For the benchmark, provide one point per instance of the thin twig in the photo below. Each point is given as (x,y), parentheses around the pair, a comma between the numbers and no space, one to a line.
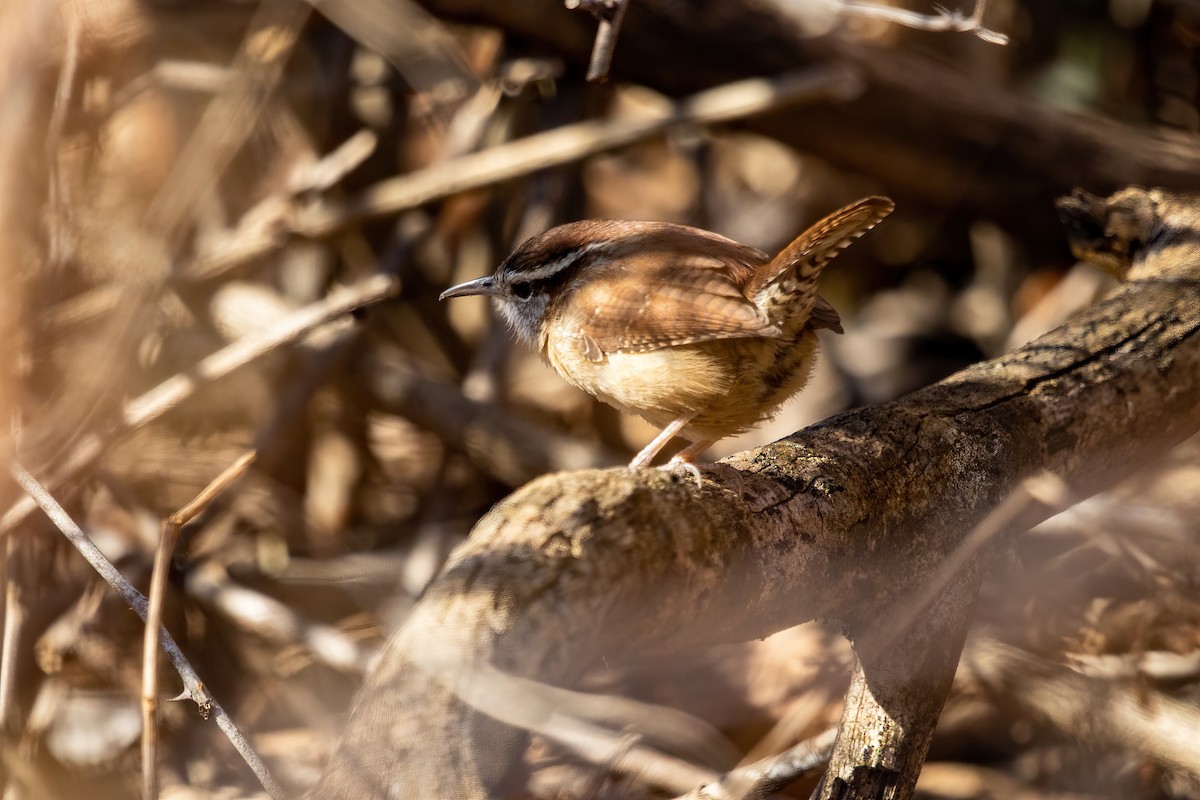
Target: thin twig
(232,114)
(14,619)
(83,307)
(171,527)
(158,579)
(62,102)
(189,76)
(176,389)
(625,754)
(275,622)
(196,689)
(1106,712)
(504,445)
(606,36)
(570,143)
(344,159)
(943,20)
(261,234)
(564,717)
(290,328)
(771,774)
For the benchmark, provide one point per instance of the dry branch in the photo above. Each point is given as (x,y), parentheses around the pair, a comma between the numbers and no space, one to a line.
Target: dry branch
(15,614)
(191,679)
(1097,710)
(508,447)
(274,621)
(763,777)
(840,521)
(610,13)
(934,134)
(168,536)
(571,143)
(231,116)
(173,391)
(266,228)
(943,20)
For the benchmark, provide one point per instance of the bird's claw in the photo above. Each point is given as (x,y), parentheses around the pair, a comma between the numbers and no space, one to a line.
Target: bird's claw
(675,464)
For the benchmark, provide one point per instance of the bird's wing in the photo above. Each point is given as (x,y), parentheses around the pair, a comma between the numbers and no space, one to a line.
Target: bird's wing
(650,303)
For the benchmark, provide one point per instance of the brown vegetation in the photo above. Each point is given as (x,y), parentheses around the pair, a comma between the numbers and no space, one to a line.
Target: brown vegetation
(223,229)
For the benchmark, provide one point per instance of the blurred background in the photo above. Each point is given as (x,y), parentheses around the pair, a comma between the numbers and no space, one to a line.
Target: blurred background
(182,176)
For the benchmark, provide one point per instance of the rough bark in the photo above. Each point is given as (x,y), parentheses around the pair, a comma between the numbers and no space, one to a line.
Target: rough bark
(838,521)
(933,133)
(896,695)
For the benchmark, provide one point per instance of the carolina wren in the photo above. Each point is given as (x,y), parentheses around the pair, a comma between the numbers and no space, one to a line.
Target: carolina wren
(699,335)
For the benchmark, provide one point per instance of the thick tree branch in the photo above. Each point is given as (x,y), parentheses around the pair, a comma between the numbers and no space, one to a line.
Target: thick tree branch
(841,521)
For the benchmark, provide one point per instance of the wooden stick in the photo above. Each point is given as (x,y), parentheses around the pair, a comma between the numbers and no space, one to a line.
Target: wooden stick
(14,622)
(196,689)
(611,14)
(944,20)
(769,775)
(171,527)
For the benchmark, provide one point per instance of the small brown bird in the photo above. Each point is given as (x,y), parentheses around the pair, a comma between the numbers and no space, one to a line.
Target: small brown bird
(699,335)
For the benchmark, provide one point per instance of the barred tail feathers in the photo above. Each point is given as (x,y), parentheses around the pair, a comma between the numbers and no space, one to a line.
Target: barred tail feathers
(786,288)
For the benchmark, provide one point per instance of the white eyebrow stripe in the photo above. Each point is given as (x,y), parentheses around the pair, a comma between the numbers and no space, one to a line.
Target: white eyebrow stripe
(555,267)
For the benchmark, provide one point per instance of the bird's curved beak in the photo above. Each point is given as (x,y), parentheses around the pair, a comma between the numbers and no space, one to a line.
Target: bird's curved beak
(478,286)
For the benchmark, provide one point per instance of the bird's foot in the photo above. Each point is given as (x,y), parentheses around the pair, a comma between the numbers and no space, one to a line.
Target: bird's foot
(648,453)
(676,464)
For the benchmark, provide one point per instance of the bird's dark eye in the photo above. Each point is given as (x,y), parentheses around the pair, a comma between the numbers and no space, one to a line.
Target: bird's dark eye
(522,290)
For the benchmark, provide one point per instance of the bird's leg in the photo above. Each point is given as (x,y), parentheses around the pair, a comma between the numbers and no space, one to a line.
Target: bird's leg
(648,453)
(688,454)
(686,458)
